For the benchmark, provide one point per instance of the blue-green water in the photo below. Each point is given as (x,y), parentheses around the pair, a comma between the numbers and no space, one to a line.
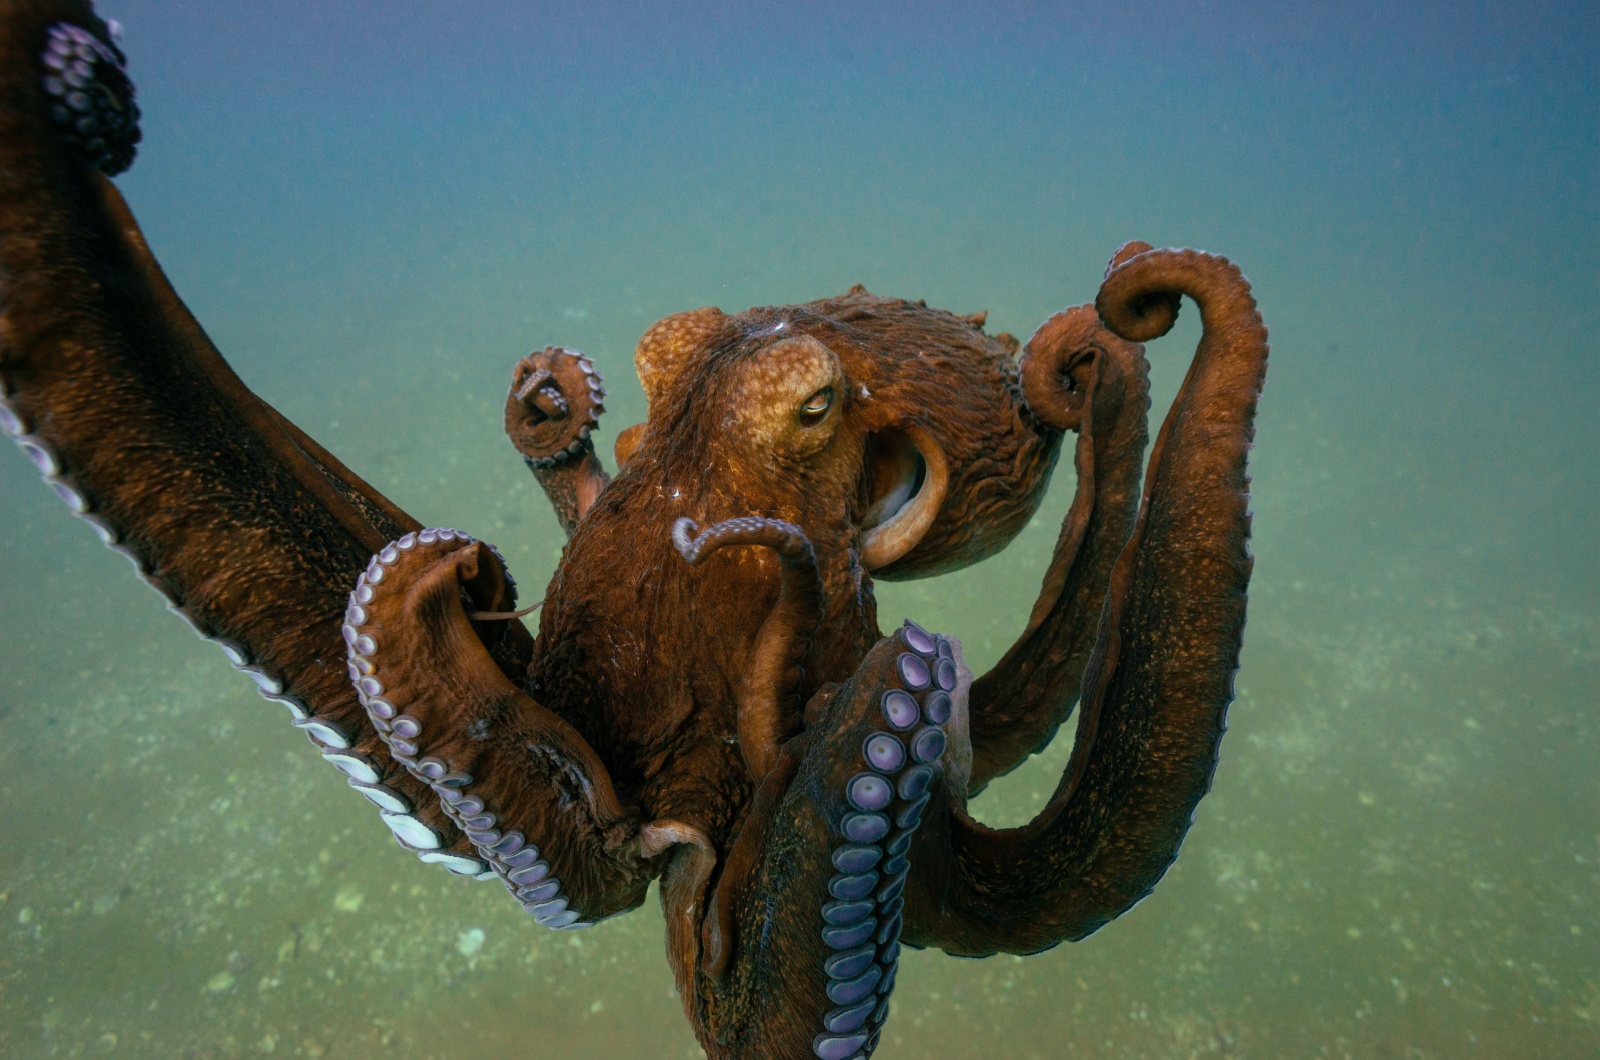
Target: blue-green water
(376,210)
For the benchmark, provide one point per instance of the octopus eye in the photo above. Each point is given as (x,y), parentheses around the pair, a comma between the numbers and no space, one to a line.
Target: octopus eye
(816,406)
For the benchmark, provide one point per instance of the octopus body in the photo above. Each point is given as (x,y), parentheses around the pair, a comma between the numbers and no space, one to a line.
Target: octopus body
(710,700)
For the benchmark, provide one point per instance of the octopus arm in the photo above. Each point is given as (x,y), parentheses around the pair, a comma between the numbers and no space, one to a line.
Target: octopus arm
(808,909)
(527,791)
(1077,375)
(247,528)
(552,411)
(1157,686)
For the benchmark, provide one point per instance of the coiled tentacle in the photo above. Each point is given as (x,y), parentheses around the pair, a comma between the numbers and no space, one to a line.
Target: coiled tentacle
(554,407)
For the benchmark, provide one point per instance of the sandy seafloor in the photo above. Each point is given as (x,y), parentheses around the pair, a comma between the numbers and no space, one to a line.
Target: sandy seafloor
(376,212)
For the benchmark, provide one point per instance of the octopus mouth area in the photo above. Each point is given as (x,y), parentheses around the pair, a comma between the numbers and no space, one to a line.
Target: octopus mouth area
(903,485)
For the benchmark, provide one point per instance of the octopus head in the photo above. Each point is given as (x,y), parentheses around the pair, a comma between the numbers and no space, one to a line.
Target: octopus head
(901,424)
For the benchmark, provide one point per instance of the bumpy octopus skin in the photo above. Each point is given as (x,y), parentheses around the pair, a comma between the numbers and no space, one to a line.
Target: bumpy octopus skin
(710,700)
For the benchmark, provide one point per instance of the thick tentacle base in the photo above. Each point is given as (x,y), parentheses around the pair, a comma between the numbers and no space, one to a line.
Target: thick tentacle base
(522,786)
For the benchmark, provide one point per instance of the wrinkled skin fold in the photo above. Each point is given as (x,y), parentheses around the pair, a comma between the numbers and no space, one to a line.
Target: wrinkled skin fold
(710,700)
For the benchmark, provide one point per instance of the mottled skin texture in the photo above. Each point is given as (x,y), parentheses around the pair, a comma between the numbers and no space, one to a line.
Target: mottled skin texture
(709,660)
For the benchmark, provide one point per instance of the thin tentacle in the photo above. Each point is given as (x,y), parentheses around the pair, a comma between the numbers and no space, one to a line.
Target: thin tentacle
(769,702)
(1079,376)
(1157,687)
(557,397)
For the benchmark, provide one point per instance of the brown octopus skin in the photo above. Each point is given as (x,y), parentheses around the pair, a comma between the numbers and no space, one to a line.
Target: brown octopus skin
(656,728)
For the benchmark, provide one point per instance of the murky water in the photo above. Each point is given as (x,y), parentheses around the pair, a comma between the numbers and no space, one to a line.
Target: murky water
(374,213)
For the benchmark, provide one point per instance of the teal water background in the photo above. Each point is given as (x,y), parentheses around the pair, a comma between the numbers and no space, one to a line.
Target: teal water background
(375,209)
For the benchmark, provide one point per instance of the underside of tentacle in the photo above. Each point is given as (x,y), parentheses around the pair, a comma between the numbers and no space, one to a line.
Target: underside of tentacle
(527,791)
(769,702)
(1157,686)
(816,914)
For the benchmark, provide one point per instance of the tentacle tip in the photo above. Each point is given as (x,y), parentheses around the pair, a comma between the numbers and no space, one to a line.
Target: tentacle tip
(1131,249)
(684,539)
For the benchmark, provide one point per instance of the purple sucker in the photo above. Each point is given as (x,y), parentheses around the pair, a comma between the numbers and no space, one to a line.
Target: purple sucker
(833,1047)
(915,781)
(856,859)
(891,889)
(850,963)
(539,892)
(937,708)
(845,912)
(884,752)
(899,709)
(865,827)
(849,991)
(544,911)
(847,938)
(928,745)
(868,791)
(913,671)
(529,874)
(944,674)
(918,639)
(848,1018)
(562,920)
(911,816)
(522,858)
(850,888)
(406,726)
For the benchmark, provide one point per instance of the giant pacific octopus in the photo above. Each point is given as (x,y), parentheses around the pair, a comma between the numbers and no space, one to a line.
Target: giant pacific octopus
(710,700)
